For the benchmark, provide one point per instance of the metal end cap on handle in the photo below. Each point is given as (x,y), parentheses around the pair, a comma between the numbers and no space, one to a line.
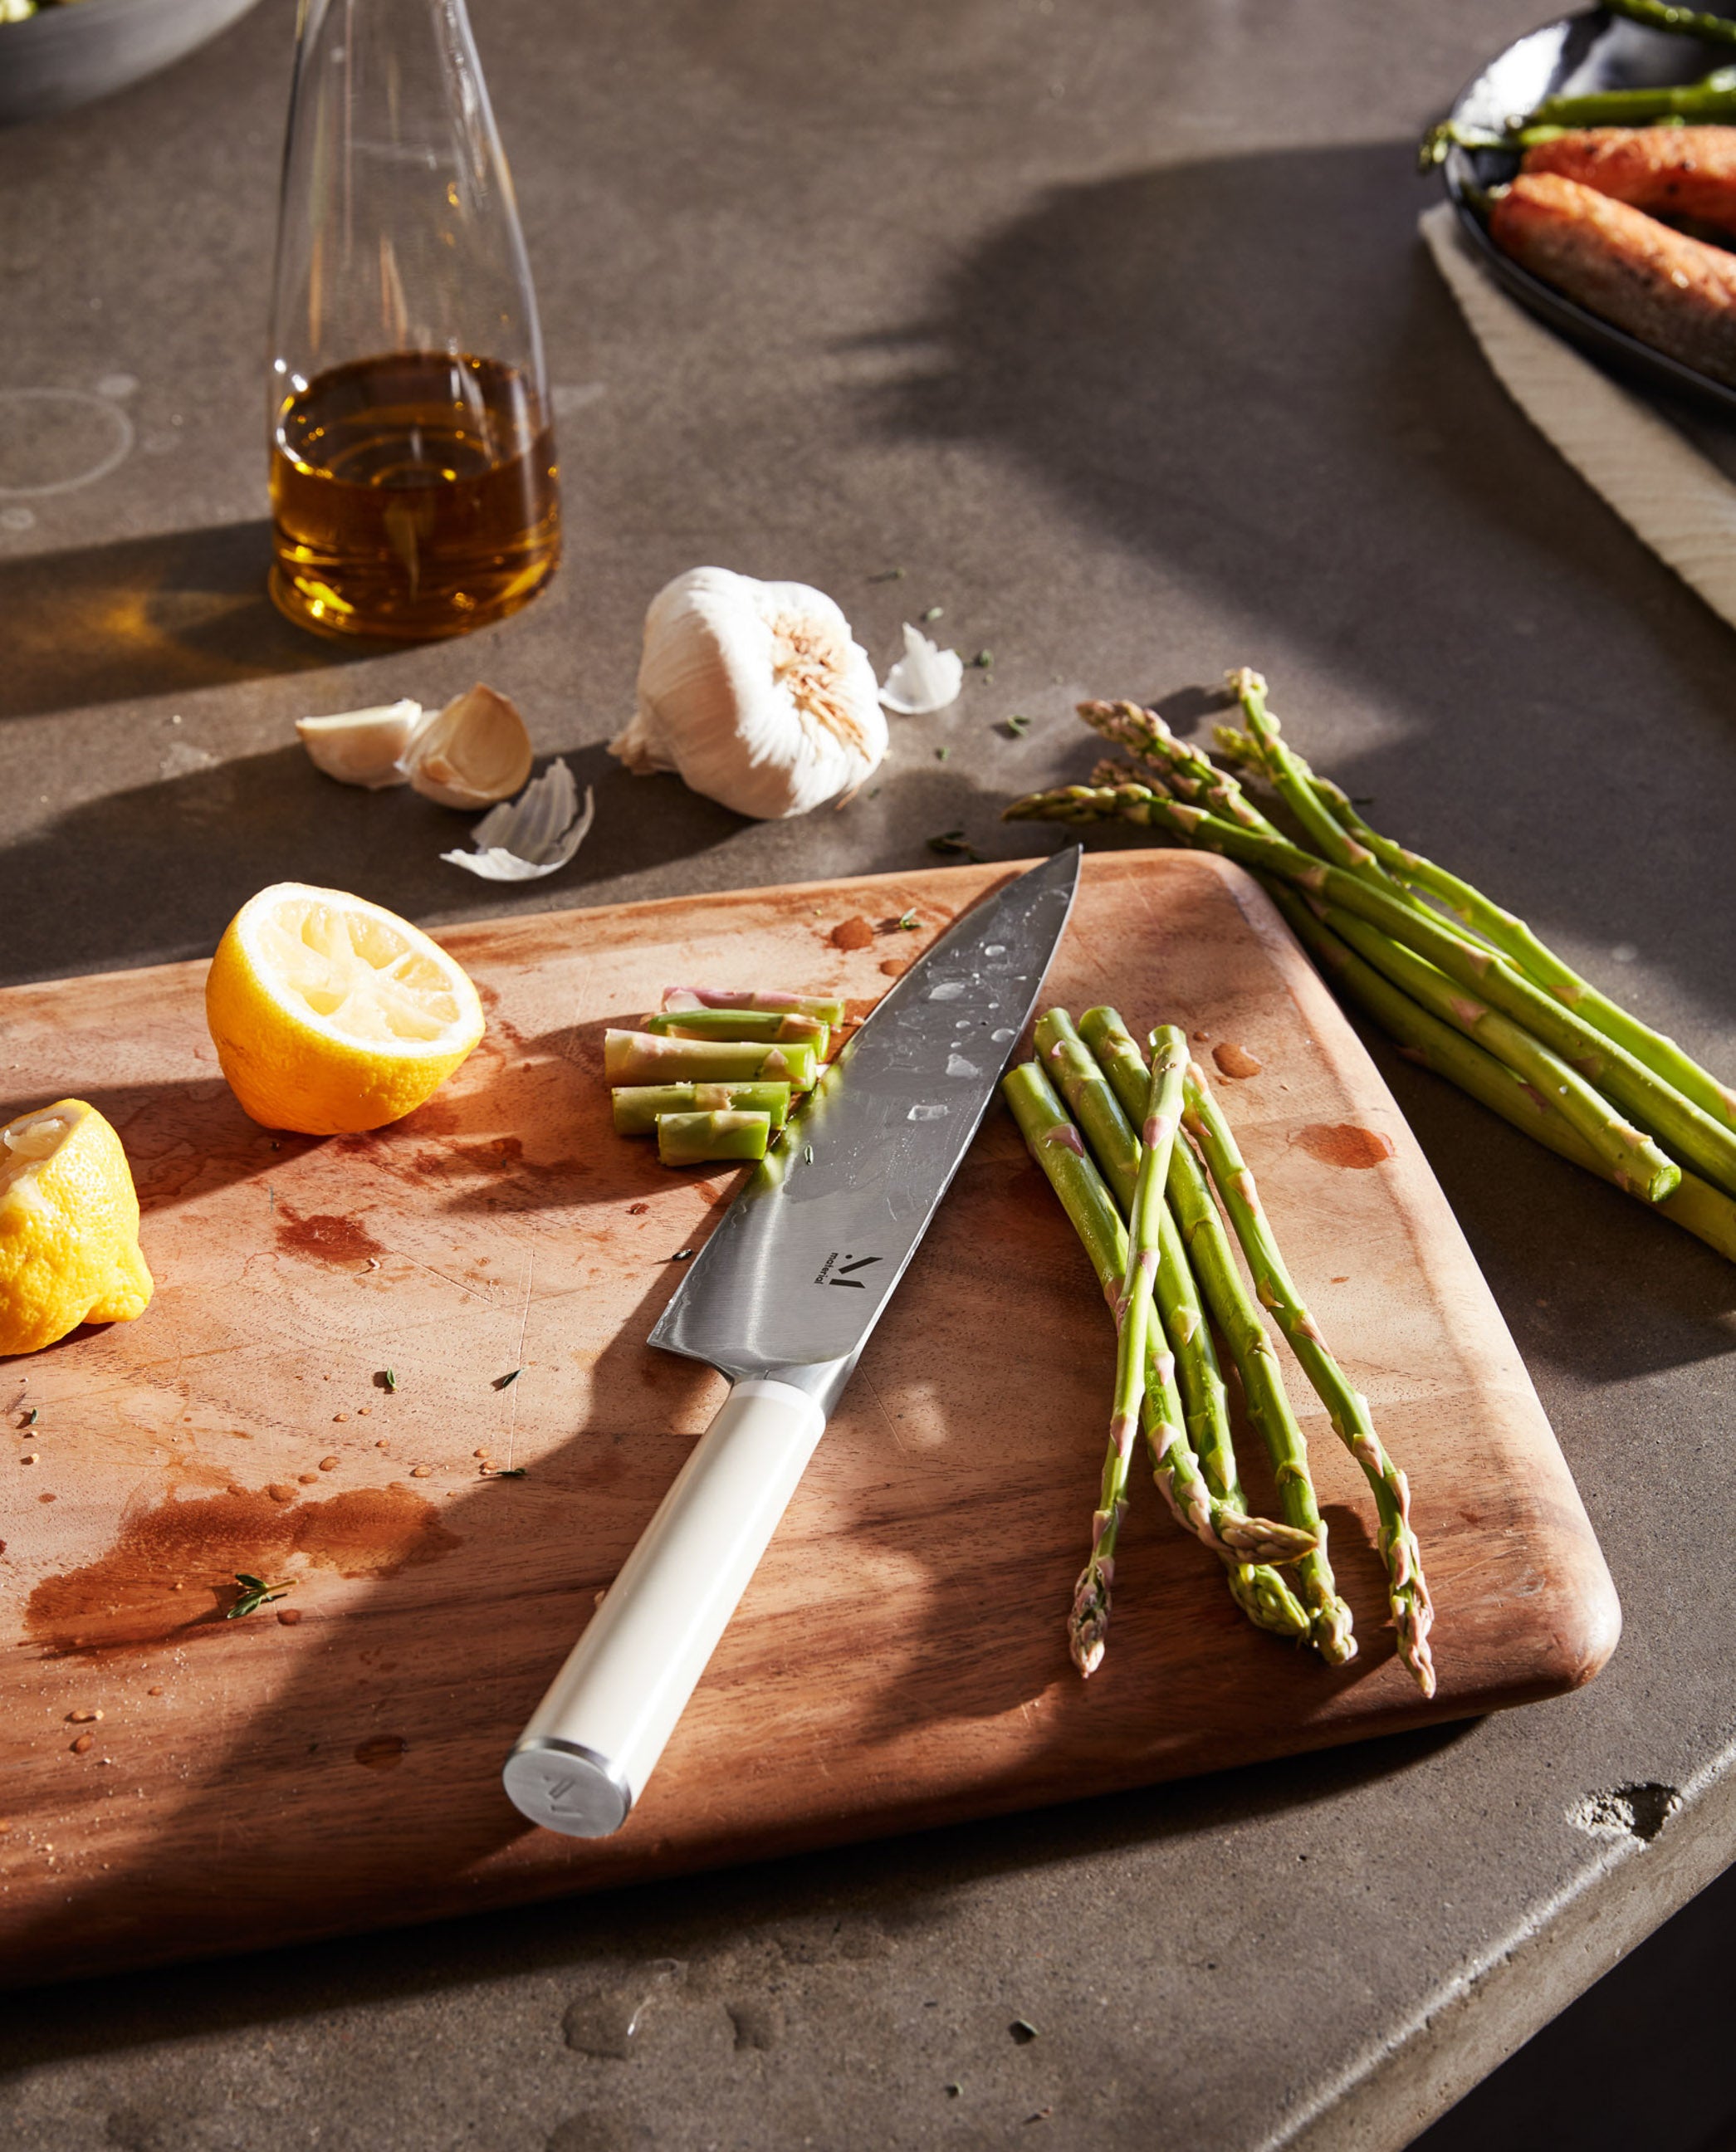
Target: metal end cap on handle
(566,1787)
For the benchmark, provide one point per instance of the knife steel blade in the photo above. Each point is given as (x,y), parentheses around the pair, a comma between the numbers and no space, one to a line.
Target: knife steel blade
(782,1299)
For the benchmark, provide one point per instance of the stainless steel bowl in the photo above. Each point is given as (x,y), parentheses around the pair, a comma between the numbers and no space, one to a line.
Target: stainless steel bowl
(66,56)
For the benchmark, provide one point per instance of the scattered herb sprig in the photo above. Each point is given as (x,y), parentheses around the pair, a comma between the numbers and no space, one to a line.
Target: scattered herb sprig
(952,843)
(255,1593)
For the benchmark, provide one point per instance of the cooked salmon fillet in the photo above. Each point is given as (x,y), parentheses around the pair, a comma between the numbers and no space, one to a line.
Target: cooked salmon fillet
(1675,294)
(1672,171)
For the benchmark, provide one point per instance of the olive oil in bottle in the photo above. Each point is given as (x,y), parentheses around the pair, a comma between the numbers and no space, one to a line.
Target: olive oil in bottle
(412,455)
(413,495)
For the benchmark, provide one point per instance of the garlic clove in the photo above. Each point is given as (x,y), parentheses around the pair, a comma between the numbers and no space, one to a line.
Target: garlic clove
(538,833)
(362,747)
(475,751)
(755,694)
(926,678)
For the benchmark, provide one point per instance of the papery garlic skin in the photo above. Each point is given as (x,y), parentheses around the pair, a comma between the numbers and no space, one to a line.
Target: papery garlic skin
(926,678)
(755,694)
(475,752)
(537,836)
(362,747)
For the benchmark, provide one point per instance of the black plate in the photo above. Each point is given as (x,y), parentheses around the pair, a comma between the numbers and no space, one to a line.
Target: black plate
(1595,51)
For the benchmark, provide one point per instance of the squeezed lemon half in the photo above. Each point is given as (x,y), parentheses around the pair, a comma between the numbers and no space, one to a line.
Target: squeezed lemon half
(331,1015)
(68,1227)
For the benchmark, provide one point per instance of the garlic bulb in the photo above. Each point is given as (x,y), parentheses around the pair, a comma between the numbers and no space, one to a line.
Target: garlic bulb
(926,678)
(362,747)
(755,694)
(476,751)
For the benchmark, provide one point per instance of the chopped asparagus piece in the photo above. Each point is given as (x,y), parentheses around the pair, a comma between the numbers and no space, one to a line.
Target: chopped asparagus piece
(766,1027)
(710,1139)
(827,1007)
(638,1106)
(645,1057)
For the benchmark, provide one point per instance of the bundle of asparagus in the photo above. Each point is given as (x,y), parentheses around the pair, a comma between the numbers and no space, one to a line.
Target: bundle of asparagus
(1465,988)
(1162,1270)
(712,1075)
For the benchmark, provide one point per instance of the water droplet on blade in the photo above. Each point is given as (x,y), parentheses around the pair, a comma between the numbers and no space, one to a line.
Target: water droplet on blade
(956,1065)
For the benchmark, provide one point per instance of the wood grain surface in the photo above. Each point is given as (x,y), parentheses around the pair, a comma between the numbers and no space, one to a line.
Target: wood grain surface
(332,1763)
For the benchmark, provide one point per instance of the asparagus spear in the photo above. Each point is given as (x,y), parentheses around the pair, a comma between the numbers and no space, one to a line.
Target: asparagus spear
(1712,98)
(1055,1143)
(638,1106)
(709,1139)
(1257,1588)
(768,1027)
(1406,1588)
(642,1057)
(1187,772)
(1290,779)
(1690,22)
(1511,936)
(1655,1103)
(1697,1206)
(1088,1625)
(827,1007)
(1624,1155)
(1238,1319)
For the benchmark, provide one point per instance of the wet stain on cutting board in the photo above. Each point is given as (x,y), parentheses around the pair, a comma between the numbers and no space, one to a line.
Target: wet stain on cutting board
(172,1569)
(1342,1143)
(323,1236)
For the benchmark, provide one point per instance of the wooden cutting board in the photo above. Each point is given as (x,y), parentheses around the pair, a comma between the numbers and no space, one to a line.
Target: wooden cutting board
(899,1660)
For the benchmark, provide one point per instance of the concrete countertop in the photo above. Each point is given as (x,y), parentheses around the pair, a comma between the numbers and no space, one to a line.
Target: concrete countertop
(1108,324)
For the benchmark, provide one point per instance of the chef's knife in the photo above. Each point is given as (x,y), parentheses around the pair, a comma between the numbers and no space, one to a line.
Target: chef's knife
(782,1299)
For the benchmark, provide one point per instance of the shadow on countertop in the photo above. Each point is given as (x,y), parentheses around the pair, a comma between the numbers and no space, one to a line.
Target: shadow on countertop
(1245,369)
(886,1885)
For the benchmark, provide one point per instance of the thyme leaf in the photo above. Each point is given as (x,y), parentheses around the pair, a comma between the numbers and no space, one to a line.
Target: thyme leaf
(255,1593)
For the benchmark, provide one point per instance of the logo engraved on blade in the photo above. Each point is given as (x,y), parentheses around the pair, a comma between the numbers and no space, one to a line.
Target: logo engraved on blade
(849,1263)
(557,1789)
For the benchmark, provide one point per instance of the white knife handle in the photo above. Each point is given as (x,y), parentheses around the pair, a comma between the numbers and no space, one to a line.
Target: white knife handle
(591,1742)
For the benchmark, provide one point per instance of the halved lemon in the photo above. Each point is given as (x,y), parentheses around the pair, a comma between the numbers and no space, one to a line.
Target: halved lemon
(331,1014)
(68,1227)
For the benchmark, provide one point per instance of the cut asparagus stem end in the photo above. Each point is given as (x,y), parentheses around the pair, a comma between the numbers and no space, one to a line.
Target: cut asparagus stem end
(712,1138)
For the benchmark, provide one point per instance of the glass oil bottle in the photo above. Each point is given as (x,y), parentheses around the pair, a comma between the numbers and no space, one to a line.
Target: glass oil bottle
(414,487)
